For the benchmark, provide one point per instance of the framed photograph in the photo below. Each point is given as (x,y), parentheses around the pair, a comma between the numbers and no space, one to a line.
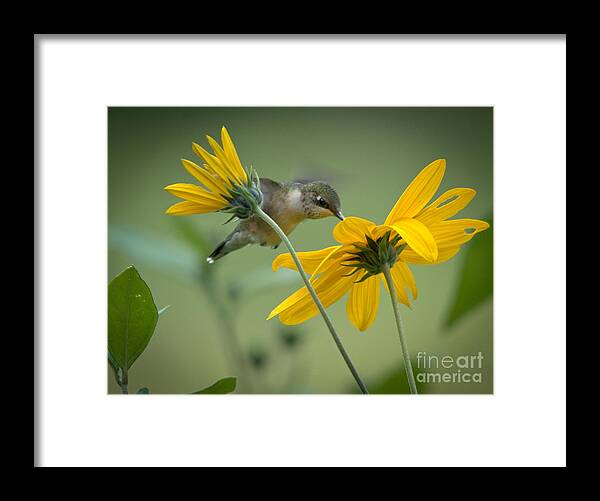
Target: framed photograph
(271,251)
(407,201)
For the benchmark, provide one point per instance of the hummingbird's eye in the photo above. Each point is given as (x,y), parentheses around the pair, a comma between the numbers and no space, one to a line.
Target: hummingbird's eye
(321,201)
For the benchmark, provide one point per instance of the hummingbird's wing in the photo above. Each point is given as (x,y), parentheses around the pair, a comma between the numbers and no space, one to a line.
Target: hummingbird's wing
(268,188)
(310,173)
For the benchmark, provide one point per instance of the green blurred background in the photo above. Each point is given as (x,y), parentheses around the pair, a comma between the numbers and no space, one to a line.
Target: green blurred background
(369,155)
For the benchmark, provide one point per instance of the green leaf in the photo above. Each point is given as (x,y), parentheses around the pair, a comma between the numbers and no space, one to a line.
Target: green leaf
(115,367)
(476,282)
(221,387)
(132,317)
(143,391)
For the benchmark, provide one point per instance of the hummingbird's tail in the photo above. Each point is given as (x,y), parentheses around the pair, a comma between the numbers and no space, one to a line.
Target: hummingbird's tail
(218,253)
(233,242)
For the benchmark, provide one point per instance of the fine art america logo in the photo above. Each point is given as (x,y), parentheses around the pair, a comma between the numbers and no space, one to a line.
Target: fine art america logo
(449,369)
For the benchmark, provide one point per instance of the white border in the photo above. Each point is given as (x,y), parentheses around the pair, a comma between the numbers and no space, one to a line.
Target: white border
(522,424)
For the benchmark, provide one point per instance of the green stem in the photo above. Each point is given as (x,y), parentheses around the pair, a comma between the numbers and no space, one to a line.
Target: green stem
(265,217)
(124,383)
(405,353)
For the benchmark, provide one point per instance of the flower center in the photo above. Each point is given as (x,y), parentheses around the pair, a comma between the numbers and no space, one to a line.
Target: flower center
(374,256)
(244,199)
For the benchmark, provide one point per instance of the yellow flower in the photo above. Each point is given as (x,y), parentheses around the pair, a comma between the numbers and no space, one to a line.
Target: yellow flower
(223,182)
(413,232)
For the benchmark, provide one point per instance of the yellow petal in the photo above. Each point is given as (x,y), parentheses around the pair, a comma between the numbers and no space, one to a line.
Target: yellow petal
(457,231)
(306,309)
(288,302)
(444,254)
(449,236)
(205,177)
(188,208)
(399,287)
(220,154)
(196,194)
(363,302)
(333,259)
(330,286)
(401,273)
(196,149)
(352,230)
(310,260)
(380,230)
(232,154)
(417,236)
(419,192)
(447,205)
(214,164)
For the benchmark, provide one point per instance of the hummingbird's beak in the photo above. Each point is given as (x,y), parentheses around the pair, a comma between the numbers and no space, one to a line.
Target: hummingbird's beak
(339,215)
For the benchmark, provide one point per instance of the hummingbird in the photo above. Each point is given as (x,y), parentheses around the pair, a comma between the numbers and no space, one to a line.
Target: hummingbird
(288,204)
